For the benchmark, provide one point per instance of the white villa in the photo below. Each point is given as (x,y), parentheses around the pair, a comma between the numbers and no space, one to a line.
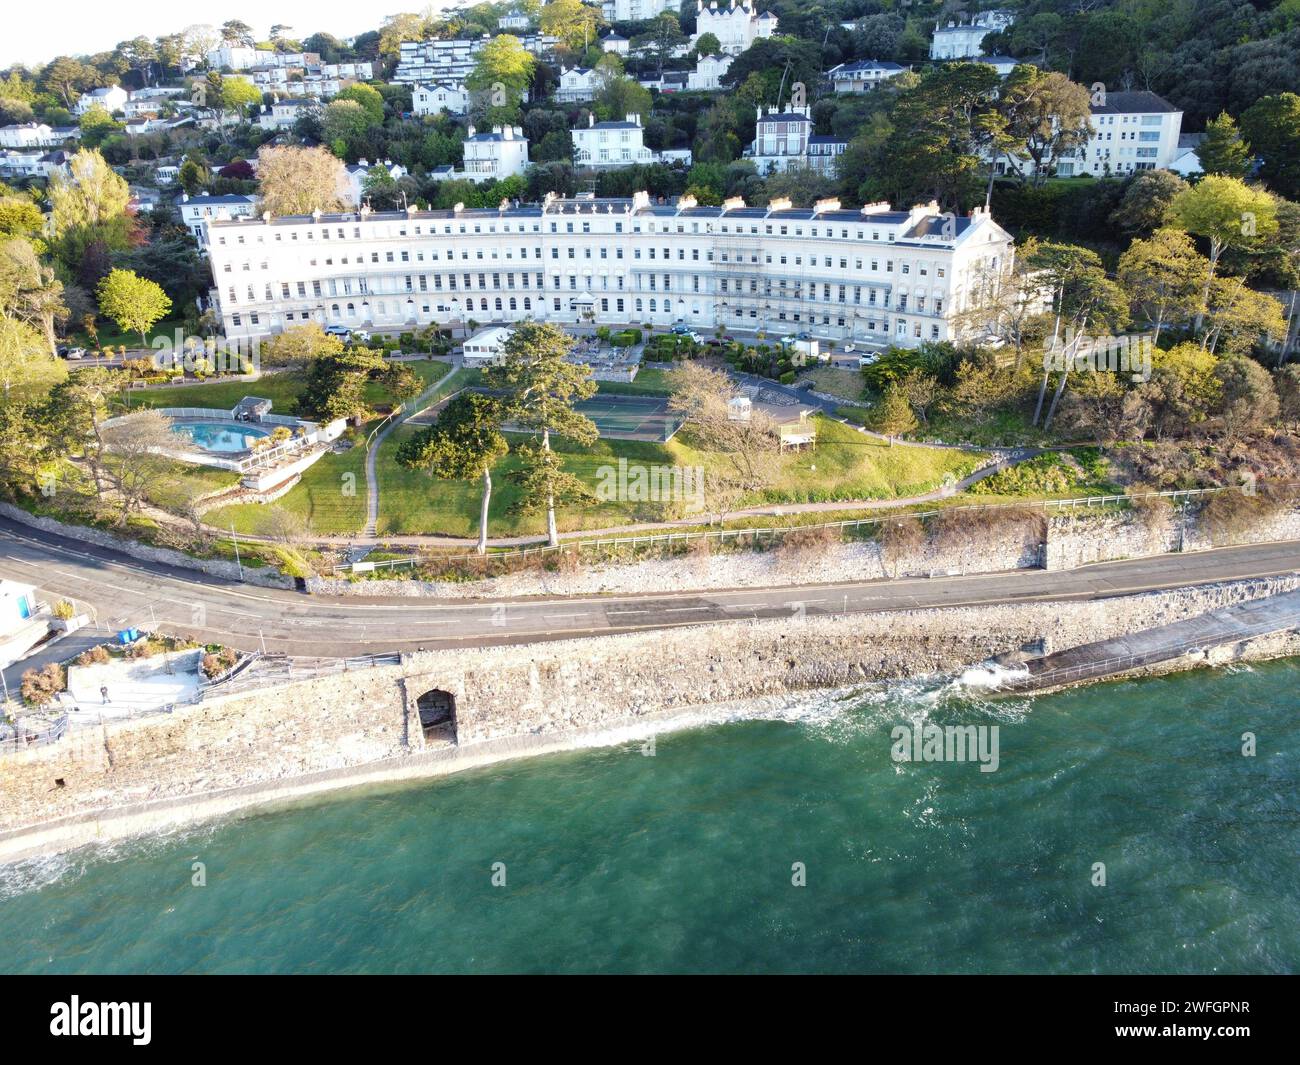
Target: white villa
(785,139)
(111,99)
(36,135)
(494,155)
(602,144)
(1130,131)
(514,19)
(197,211)
(443,96)
(707,75)
(636,10)
(964,40)
(614,42)
(282,114)
(144,102)
(576,84)
(872,273)
(736,26)
(354,190)
(863,75)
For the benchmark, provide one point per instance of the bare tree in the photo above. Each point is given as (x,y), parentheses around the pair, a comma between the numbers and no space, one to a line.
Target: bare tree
(139,446)
(898,538)
(298,181)
(748,438)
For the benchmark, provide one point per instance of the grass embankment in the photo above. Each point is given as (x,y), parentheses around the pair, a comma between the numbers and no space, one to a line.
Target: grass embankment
(846,465)
(331,497)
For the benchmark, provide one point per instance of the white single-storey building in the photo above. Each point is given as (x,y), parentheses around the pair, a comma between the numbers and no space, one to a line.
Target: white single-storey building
(486,346)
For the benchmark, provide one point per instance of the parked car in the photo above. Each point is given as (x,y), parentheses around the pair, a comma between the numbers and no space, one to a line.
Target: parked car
(72,352)
(361,336)
(340,331)
(867,360)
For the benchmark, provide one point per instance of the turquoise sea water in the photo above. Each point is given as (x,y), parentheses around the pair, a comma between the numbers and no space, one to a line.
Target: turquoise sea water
(682,861)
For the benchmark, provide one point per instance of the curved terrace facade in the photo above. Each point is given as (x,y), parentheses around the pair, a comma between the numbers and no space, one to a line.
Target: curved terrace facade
(870,274)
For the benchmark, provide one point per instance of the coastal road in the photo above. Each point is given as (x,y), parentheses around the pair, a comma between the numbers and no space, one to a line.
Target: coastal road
(125,592)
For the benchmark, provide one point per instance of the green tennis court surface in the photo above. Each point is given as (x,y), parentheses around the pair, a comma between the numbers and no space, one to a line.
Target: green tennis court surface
(631,417)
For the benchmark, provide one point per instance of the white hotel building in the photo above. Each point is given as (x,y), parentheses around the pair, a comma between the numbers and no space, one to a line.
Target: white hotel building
(869,274)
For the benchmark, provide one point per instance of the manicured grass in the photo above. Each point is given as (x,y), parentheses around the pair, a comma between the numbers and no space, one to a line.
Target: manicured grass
(331,502)
(648,382)
(110,336)
(331,497)
(846,465)
(185,482)
(281,388)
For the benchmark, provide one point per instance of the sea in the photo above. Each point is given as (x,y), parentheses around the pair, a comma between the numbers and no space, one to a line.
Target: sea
(1139,826)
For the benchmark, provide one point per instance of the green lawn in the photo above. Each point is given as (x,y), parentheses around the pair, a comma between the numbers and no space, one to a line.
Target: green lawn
(331,497)
(109,336)
(280,388)
(648,382)
(846,465)
(330,501)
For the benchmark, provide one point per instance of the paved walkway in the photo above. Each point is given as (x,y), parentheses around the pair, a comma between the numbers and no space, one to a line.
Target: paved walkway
(1164,643)
(372,479)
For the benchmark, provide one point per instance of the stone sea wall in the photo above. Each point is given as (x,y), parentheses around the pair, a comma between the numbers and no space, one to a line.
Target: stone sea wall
(365,724)
(1072,539)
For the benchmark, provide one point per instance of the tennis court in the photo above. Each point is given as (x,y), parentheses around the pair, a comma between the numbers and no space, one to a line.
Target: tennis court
(631,417)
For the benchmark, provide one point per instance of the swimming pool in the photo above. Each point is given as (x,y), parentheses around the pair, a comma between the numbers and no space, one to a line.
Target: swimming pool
(221,438)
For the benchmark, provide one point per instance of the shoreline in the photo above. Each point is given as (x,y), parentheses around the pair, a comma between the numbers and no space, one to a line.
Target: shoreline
(161,816)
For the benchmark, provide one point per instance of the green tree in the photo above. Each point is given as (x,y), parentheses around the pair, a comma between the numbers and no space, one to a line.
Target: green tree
(193,177)
(96,126)
(298,181)
(1228,214)
(133,302)
(88,206)
(299,344)
(707,44)
(573,22)
(27,368)
(370,99)
(1247,400)
(662,39)
(541,386)
(1047,116)
(238,96)
(464,443)
(1272,126)
(1146,202)
(503,61)
(1223,150)
(893,414)
(1164,278)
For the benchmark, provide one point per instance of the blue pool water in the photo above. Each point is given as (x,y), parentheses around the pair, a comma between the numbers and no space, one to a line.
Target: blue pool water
(223,438)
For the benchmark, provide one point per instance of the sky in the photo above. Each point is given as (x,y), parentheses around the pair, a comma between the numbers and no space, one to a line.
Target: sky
(35,34)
